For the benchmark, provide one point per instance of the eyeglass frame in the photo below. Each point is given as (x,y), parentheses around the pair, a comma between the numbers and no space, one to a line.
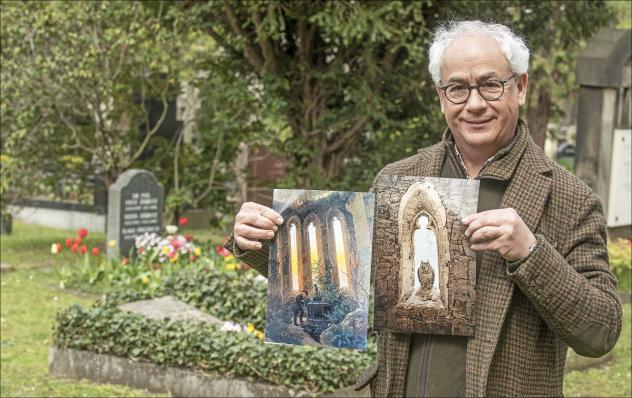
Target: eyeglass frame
(477,87)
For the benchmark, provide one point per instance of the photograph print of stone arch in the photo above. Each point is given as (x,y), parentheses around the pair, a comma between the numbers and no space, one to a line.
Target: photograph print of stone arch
(319,269)
(425,271)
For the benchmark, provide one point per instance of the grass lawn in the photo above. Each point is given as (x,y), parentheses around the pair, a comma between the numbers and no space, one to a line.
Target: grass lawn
(30,298)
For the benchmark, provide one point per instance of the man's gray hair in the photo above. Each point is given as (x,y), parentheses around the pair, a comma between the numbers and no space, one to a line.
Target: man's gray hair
(511,45)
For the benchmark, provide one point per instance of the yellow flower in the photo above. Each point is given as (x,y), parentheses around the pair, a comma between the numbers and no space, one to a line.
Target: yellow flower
(259,334)
(228,258)
(54,249)
(165,250)
(198,251)
(174,258)
(250,327)
(145,280)
(230,266)
(111,243)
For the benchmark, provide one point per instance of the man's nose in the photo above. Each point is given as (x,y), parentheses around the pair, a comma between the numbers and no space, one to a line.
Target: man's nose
(475,103)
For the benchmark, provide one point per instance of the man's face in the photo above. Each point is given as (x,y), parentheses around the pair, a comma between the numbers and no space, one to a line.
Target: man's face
(479,124)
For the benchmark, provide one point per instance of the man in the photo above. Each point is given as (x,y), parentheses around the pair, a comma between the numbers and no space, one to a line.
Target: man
(542,263)
(299,302)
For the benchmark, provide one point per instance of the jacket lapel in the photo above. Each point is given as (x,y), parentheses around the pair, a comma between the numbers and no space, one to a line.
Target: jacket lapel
(527,193)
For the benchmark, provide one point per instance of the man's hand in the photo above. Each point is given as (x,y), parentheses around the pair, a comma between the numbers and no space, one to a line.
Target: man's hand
(500,230)
(254,222)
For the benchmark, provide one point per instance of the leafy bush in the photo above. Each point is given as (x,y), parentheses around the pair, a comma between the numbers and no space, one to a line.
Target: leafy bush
(239,296)
(107,330)
(620,254)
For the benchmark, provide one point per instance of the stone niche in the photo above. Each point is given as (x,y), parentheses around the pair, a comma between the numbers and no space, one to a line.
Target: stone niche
(421,199)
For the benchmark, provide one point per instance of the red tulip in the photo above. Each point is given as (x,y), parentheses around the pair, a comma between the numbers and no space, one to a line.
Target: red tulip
(83,249)
(183,221)
(74,248)
(193,258)
(221,250)
(125,261)
(68,242)
(59,247)
(176,244)
(82,233)
(95,251)
(77,241)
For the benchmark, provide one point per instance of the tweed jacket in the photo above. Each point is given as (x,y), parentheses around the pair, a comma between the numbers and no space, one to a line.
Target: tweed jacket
(562,295)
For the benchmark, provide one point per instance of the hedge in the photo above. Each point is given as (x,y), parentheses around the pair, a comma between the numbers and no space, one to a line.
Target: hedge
(230,296)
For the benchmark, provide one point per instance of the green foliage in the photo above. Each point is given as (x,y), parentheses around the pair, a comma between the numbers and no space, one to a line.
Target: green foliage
(620,255)
(77,78)
(105,329)
(235,295)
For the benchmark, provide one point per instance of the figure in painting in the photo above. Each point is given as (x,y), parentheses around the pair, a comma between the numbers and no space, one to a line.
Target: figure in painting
(299,303)
(425,260)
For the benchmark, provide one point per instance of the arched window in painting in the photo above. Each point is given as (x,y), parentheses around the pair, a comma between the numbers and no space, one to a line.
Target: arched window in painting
(294,257)
(313,252)
(425,258)
(341,258)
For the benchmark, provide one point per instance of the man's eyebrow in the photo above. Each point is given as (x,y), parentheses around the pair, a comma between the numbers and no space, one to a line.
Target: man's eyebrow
(457,79)
(487,76)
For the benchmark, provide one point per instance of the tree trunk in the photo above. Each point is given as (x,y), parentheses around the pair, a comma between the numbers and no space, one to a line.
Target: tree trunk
(539,117)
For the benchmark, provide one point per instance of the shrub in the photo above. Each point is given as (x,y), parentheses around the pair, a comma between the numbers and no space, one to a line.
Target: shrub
(620,254)
(107,330)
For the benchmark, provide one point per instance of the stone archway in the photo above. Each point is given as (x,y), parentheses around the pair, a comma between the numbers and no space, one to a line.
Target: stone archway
(422,198)
(290,285)
(312,271)
(348,244)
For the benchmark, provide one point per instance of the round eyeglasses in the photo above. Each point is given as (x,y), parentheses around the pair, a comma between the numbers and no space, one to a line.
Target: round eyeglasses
(490,90)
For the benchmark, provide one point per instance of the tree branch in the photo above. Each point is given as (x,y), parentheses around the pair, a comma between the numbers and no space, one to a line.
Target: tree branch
(250,51)
(153,131)
(223,43)
(355,130)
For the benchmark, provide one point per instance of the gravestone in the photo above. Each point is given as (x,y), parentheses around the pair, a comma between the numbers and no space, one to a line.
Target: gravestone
(135,205)
(604,121)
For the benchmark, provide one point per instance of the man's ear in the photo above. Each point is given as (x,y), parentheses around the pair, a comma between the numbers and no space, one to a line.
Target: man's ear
(522,83)
(441,99)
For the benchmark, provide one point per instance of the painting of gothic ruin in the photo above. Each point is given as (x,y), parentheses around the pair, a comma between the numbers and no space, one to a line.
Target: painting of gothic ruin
(319,269)
(425,271)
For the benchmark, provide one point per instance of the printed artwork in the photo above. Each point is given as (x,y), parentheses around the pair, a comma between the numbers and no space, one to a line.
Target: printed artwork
(425,271)
(319,269)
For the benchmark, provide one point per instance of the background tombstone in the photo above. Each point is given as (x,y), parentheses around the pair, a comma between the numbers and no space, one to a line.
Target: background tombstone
(135,205)
(604,71)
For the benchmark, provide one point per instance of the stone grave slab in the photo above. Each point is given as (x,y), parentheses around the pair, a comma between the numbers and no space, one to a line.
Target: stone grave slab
(169,307)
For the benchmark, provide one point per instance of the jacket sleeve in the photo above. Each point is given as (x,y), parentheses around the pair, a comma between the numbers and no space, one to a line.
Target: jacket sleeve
(257,259)
(575,293)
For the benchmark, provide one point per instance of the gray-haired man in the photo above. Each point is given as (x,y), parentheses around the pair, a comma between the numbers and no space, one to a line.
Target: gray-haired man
(542,264)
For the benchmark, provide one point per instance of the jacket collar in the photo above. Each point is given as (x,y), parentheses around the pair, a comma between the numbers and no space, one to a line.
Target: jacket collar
(503,164)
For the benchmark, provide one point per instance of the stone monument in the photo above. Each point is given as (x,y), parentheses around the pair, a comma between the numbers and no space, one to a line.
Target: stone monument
(604,74)
(135,205)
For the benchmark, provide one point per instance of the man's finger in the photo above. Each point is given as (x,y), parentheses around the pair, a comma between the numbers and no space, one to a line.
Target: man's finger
(487,218)
(249,232)
(256,220)
(268,213)
(485,233)
(247,244)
